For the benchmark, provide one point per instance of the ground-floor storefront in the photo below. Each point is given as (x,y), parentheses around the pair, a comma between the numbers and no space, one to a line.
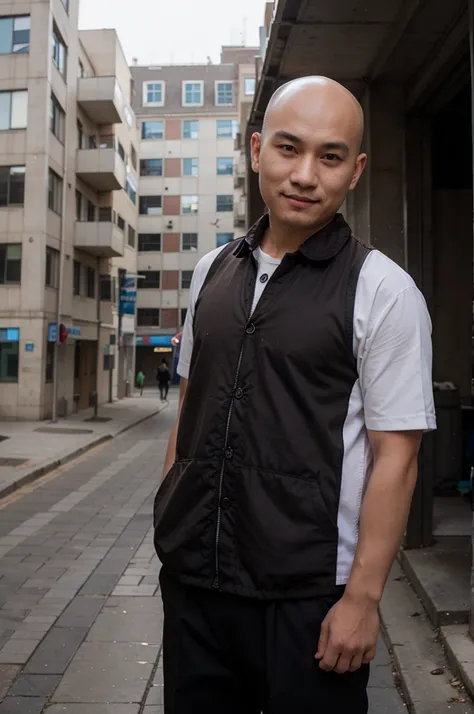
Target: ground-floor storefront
(151,350)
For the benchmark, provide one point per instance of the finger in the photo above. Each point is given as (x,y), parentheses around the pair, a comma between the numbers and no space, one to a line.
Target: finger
(356,662)
(369,655)
(343,664)
(323,640)
(330,658)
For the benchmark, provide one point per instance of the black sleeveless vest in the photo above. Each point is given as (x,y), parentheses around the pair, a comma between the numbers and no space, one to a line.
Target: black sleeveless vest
(250,506)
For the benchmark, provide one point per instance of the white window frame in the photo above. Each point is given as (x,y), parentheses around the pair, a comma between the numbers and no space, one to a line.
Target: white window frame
(145,93)
(183,93)
(216,92)
(254,79)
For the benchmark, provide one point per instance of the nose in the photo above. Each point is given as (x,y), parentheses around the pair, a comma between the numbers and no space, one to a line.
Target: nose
(305,173)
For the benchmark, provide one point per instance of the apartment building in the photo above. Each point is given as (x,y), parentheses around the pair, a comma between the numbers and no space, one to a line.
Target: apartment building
(68,211)
(190,185)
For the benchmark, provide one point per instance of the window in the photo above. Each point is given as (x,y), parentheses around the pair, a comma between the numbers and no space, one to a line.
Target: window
(190,167)
(120,222)
(152,130)
(90,283)
(90,212)
(131,236)
(9,354)
(55,190)
(224,203)
(107,288)
(56,119)
(149,242)
(105,215)
(12,185)
(249,86)
(186,277)
(120,150)
(76,278)
(151,167)
(13,109)
(152,279)
(49,361)
(184,311)
(225,167)
(15,34)
(192,93)
(154,94)
(131,189)
(148,317)
(10,263)
(133,156)
(151,206)
(190,129)
(59,51)
(189,204)
(52,267)
(189,241)
(223,238)
(80,135)
(227,128)
(224,93)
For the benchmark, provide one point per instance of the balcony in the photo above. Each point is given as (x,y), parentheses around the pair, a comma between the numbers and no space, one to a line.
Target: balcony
(101,98)
(102,167)
(240,213)
(102,238)
(240,172)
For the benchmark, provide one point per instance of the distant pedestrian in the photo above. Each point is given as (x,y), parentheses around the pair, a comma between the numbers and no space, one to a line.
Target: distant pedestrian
(163,377)
(140,381)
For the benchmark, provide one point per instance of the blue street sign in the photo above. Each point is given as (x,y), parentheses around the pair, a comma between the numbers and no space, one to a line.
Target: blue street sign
(128,296)
(29,347)
(52,332)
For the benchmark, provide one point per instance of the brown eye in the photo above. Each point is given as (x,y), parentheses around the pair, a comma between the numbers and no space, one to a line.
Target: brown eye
(331,157)
(286,148)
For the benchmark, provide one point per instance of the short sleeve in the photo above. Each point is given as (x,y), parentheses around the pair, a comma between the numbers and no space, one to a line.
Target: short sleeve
(187,340)
(396,364)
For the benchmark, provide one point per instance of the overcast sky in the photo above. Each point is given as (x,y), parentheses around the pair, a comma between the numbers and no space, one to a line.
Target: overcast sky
(175,31)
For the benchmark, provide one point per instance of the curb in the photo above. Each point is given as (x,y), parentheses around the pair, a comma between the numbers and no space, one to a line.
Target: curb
(41,471)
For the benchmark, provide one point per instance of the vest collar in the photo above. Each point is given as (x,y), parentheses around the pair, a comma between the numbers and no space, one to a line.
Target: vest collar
(322,245)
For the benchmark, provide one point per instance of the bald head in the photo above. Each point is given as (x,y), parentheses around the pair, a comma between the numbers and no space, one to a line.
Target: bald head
(322,100)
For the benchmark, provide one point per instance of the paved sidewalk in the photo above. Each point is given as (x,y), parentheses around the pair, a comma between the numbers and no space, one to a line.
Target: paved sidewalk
(32,449)
(80,610)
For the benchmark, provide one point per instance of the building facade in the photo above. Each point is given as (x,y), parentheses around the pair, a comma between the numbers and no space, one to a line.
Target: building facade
(68,211)
(190,185)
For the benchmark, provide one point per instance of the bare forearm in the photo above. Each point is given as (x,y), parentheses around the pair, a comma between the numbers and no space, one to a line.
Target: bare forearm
(170,457)
(383,521)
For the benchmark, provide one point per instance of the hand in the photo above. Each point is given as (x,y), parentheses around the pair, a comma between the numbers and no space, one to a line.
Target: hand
(349,635)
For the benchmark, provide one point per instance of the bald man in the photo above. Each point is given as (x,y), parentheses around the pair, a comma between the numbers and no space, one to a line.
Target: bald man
(305,389)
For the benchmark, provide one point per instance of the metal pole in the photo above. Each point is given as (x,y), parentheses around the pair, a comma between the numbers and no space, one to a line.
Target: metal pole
(61,267)
(97,302)
(471,47)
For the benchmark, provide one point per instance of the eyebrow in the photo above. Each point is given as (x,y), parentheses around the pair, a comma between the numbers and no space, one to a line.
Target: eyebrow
(328,146)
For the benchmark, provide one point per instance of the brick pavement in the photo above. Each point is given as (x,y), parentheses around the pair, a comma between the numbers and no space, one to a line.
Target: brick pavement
(80,612)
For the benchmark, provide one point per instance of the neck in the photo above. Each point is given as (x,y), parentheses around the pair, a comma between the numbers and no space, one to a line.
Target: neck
(280,239)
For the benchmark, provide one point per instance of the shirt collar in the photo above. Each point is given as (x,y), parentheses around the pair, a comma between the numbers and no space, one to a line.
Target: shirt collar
(322,245)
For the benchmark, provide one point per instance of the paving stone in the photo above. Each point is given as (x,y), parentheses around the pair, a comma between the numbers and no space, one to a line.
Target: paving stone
(381,675)
(8,673)
(35,685)
(155,696)
(139,591)
(113,625)
(385,701)
(22,705)
(56,650)
(82,612)
(107,673)
(99,584)
(95,709)
(20,646)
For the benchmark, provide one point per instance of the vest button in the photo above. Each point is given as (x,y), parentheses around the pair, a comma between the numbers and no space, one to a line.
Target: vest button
(263,278)
(229,452)
(250,329)
(239,393)
(225,503)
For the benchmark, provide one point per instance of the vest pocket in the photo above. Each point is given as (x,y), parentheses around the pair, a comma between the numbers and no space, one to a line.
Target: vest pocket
(286,538)
(183,517)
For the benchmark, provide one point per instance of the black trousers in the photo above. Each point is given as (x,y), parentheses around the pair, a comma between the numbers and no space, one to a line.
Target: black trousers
(164,388)
(234,655)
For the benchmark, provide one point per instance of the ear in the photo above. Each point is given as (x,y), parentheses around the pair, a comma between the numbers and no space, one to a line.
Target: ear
(255,147)
(361,163)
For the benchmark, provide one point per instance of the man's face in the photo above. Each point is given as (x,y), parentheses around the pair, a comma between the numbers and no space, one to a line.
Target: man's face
(308,159)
